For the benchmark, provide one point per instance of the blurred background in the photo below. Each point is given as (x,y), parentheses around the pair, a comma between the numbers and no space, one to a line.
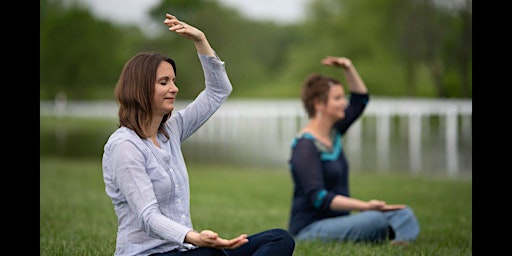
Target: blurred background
(414,55)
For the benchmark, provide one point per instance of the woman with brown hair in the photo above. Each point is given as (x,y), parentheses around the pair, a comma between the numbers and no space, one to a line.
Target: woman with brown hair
(144,170)
(322,204)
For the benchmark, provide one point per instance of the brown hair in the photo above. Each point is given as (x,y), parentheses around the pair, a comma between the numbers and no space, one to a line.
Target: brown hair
(316,88)
(134,91)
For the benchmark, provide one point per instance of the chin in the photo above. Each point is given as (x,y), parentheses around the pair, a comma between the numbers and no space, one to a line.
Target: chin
(169,111)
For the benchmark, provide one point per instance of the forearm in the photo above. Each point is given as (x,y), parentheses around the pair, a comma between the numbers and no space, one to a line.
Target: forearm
(203,47)
(354,81)
(343,203)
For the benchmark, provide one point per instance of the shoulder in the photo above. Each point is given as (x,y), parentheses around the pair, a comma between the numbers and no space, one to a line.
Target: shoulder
(123,137)
(303,137)
(361,98)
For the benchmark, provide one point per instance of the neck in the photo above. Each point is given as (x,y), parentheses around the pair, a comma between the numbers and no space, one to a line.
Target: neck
(152,129)
(321,126)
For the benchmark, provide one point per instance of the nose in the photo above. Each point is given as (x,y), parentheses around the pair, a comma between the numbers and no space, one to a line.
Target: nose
(345,102)
(174,88)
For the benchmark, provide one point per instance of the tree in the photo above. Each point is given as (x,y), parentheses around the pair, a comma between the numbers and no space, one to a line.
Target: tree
(80,55)
(439,38)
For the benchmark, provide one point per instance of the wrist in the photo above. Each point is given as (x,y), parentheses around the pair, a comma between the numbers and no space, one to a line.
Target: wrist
(192,237)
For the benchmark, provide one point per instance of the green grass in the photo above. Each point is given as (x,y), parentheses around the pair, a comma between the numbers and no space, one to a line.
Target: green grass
(77,218)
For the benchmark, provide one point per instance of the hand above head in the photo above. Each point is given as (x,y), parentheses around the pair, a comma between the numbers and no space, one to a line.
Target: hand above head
(354,81)
(208,238)
(190,32)
(337,61)
(183,29)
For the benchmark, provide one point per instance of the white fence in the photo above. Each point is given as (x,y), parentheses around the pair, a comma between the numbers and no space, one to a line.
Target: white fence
(413,135)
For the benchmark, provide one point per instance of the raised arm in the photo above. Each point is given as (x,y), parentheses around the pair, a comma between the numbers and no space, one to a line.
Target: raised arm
(354,82)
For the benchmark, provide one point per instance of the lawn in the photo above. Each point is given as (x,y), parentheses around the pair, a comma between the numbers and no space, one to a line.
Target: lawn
(77,218)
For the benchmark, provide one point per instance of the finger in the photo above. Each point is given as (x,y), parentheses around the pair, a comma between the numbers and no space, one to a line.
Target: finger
(173,22)
(239,243)
(234,243)
(394,207)
(178,27)
(170,17)
(213,235)
(220,243)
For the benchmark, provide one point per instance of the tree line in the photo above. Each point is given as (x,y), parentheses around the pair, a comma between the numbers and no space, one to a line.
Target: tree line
(401,47)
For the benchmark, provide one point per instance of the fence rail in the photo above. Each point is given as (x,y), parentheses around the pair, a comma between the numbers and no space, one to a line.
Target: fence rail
(416,135)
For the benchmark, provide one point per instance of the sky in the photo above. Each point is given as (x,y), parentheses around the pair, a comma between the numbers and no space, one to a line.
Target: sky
(280,11)
(134,11)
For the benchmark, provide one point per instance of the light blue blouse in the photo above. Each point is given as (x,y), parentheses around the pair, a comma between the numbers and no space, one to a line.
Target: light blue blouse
(149,186)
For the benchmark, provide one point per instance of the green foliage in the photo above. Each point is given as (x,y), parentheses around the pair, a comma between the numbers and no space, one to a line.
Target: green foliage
(77,217)
(400,47)
(80,54)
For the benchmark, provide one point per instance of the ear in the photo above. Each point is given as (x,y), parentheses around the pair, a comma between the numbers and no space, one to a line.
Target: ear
(319,105)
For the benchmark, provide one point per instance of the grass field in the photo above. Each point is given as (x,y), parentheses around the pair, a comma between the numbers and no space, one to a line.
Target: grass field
(77,218)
